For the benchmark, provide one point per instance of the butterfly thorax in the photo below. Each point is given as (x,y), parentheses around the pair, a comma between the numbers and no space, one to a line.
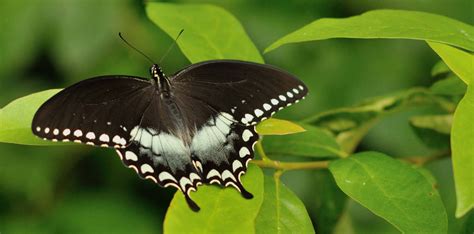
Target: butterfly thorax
(160,80)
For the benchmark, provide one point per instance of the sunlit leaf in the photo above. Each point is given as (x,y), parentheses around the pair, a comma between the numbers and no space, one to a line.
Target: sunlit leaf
(459,61)
(462,147)
(210,32)
(314,142)
(222,210)
(282,211)
(16,117)
(274,126)
(392,190)
(386,24)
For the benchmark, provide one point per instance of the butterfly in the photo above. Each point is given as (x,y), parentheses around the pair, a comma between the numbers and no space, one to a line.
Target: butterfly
(194,127)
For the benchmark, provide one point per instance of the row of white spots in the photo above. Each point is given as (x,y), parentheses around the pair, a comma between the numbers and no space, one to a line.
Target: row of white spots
(248,118)
(120,141)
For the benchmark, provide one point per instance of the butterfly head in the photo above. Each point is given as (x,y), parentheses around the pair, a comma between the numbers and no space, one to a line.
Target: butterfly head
(156,72)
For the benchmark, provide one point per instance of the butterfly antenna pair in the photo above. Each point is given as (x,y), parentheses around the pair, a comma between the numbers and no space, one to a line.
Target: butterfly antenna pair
(147,57)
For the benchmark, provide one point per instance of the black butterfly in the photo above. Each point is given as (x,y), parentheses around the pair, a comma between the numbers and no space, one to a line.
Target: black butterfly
(197,126)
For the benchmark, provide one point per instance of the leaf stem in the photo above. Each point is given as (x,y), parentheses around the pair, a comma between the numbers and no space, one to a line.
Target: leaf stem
(260,150)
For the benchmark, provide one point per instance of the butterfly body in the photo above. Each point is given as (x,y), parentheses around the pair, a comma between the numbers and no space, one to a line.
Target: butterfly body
(194,127)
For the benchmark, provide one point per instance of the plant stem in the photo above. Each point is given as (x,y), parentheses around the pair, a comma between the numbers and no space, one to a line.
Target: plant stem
(291,165)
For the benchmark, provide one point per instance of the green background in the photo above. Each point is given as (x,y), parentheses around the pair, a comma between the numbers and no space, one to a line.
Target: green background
(52,44)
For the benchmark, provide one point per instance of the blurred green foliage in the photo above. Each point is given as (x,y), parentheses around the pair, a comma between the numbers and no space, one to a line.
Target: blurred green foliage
(53,43)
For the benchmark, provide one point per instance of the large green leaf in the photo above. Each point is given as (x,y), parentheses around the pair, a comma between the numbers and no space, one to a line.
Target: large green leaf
(386,24)
(16,117)
(210,32)
(274,126)
(459,61)
(392,190)
(282,211)
(462,134)
(222,210)
(350,124)
(314,142)
(462,146)
(433,130)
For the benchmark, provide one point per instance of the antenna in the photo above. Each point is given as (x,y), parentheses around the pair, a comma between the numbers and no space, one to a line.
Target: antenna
(172,45)
(133,47)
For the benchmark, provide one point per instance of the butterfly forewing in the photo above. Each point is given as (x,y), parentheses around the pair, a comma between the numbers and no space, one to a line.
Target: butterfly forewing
(99,111)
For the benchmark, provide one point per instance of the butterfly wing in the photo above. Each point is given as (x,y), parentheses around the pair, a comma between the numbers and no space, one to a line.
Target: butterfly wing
(234,96)
(98,111)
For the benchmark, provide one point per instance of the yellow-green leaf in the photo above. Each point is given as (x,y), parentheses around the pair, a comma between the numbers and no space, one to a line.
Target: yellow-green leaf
(210,32)
(459,61)
(386,24)
(222,210)
(16,117)
(278,127)
(462,147)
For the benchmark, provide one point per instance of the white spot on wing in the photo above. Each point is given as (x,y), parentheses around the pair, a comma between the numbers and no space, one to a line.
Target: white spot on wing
(296,91)
(104,137)
(248,117)
(145,168)
(56,131)
(301,87)
(78,133)
(129,155)
(66,132)
(166,176)
(90,135)
(213,173)
(46,130)
(246,134)
(38,129)
(227,174)
(266,106)
(236,165)
(258,112)
(283,98)
(274,101)
(289,94)
(183,182)
(244,152)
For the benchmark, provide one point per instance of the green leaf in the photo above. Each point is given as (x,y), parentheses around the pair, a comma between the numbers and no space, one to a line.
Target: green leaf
(450,86)
(350,124)
(210,32)
(274,126)
(16,117)
(314,142)
(392,190)
(433,130)
(462,142)
(330,202)
(220,208)
(439,68)
(459,61)
(386,24)
(282,211)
